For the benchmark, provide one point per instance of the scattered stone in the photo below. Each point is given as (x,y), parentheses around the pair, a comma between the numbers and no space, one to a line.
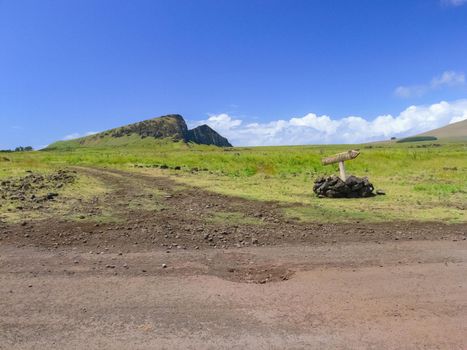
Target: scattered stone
(380,192)
(164,266)
(51,195)
(31,188)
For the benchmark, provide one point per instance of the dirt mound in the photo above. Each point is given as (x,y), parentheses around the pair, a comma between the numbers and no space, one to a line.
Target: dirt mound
(334,187)
(35,187)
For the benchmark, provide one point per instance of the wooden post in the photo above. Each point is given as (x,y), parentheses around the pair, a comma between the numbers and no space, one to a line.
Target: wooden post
(342,170)
(340,158)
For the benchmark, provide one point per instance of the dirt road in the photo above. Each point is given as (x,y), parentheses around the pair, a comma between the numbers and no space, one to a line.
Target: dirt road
(404,295)
(169,276)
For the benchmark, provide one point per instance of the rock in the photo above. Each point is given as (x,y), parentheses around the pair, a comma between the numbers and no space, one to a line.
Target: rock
(203,134)
(164,266)
(51,195)
(334,187)
(380,192)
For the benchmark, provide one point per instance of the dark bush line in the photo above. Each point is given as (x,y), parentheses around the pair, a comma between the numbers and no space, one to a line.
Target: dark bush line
(418,139)
(18,149)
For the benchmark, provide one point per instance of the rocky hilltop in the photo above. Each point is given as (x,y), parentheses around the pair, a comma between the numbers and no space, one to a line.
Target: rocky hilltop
(171,126)
(204,135)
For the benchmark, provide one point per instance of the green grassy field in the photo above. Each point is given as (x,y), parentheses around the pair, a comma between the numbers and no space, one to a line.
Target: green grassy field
(422,181)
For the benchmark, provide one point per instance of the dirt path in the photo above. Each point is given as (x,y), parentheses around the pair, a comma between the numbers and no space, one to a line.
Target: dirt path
(183,268)
(157,213)
(395,295)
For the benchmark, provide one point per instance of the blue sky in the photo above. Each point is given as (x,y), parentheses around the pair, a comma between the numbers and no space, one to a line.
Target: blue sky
(261,72)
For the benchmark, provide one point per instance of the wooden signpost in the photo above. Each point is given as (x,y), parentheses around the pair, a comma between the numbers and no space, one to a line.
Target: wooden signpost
(341,158)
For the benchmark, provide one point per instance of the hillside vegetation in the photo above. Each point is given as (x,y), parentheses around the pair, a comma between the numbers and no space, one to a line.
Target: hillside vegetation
(417,139)
(422,182)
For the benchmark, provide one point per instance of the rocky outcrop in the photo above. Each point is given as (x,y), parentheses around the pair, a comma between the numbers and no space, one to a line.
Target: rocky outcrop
(172,126)
(169,126)
(334,187)
(205,135)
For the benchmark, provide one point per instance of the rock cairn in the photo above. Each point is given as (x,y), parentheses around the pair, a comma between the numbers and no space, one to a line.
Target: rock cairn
(334,187)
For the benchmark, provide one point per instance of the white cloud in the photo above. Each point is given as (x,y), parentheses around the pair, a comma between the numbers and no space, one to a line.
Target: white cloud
(222,121)
(410,91)
(447,79)
(454,3)
(77,135)
(314,129)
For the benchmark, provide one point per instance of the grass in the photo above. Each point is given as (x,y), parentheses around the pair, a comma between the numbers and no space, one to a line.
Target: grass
(422,182)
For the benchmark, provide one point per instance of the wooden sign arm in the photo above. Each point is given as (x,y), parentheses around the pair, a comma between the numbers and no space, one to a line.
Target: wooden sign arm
(341,158)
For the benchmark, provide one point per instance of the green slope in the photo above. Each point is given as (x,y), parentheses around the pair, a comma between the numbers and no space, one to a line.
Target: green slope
(133,141)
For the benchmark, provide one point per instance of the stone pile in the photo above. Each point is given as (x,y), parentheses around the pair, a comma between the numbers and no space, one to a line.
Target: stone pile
(35,187)
(334,187)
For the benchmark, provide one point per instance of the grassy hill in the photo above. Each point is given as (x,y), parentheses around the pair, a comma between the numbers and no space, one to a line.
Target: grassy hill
(158,132)
(454,131)
(105,141)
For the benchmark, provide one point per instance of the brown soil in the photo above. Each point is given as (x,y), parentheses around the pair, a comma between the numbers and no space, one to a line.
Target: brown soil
(172,277)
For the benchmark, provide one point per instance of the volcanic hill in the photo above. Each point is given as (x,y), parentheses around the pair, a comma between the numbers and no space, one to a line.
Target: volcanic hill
(169,127)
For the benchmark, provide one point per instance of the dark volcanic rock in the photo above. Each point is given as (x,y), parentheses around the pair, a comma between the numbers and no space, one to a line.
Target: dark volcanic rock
(334,187)
(169,126)
(206,136)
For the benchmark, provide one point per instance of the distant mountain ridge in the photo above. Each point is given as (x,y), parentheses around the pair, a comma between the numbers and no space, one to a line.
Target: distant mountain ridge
(171,126)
